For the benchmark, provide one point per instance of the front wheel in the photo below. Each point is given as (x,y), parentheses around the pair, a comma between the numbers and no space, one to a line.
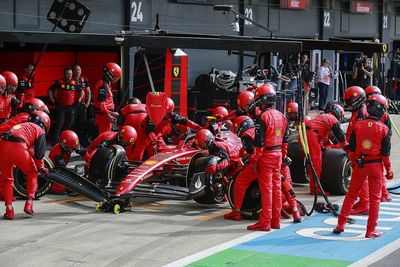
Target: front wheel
(44,185)
(214,193)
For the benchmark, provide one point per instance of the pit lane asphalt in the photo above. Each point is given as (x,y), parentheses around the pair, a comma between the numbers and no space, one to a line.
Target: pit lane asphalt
(66,231)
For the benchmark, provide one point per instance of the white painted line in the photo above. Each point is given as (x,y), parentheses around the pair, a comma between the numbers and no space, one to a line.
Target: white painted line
(208,252)
(333,221)
(377,255)
(390,204)
(389,208)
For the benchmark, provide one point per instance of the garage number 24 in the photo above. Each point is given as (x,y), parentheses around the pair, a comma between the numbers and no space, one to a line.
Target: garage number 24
(137,14)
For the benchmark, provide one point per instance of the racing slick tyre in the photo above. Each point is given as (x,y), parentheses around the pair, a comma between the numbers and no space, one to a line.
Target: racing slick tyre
(44,185)
(215,189)
(336,172)
(104,167)
(214,193)
(251,206)
(297,168)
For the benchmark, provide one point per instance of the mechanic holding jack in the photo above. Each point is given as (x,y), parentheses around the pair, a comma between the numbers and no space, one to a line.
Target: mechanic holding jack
(369,153)
(25,146)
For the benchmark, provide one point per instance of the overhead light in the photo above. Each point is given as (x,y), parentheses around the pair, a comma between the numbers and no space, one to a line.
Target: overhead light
(224,8)
(179,53)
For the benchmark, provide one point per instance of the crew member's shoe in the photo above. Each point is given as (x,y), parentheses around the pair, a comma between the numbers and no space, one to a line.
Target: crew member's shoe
(259,227)
(233,216)
(9,215)
(339,229)
(275,224)
(387,198)
(372,234)
(296,216)
(28,209)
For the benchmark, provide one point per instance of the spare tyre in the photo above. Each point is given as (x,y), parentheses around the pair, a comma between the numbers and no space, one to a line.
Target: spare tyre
(104,168)
(297,168)
(251,206)
(336,172)
(44,185)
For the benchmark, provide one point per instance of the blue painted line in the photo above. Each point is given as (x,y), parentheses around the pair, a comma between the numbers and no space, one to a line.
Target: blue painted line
(287,241)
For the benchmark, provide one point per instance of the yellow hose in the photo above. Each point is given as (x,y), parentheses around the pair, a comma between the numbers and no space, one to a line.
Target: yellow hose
(394,126)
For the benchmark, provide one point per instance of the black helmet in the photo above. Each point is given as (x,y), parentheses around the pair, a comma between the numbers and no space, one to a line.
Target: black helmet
(336,109)
(134,100)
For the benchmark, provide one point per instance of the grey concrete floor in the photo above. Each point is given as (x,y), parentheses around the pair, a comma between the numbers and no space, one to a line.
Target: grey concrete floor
(66,231)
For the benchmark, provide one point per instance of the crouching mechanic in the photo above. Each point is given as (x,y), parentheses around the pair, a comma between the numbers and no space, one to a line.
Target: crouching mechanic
(167,127)
(60,154)
(24,146)
(369,154)
(228,155)
(320,128)
(125,137)
(30,106)
(270,134)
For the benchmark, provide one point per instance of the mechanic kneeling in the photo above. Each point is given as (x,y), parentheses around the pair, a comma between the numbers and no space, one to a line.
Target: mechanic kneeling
(369,154)
(126,137)
(228,155)
(60,154)
(168,126)
(320,128)
(17,145)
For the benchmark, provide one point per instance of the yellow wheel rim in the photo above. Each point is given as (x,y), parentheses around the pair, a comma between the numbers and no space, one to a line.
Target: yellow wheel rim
(98,207)
(117,209)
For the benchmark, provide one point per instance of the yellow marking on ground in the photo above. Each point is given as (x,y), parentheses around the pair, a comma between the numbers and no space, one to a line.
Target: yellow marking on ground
(211,216)
(158,205)
(61,201)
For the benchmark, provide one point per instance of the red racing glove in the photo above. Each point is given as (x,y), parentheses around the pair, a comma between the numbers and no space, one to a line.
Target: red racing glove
(211,169)
(389,174)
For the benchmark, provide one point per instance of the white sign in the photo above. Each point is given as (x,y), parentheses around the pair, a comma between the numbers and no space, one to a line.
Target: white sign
(137,15)
(385,22)
(248,12)
(327,19)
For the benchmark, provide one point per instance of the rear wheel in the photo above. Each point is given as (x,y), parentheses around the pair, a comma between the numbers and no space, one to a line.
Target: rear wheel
(336,172)
(297,168)
(251,206)
(44,185)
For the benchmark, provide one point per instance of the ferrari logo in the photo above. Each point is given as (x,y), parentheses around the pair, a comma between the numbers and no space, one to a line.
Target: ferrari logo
(278,132)
(18,126)
(176,71)
(384,48)
(369,124)
(289,110)
(150,162)
(132,140)
(366,144)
